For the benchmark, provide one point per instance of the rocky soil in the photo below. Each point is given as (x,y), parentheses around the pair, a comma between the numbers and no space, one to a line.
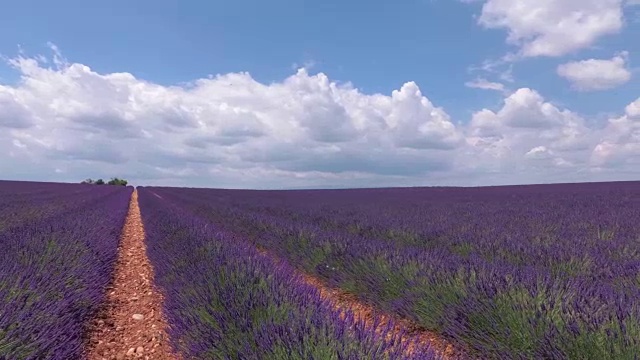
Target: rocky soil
(131,325)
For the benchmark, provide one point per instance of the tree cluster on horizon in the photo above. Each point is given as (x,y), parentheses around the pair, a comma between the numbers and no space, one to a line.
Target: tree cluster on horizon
(113,181)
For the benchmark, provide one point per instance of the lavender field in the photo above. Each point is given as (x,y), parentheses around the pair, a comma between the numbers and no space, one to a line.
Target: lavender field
(522,272)
(519,272)
(58,245)
(226,300)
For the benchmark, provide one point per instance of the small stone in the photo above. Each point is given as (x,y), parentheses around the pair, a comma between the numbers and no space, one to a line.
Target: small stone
(139,350)
(111,345)
(131,351)
(100,322)
(120,356)
(138,316)
(135,298)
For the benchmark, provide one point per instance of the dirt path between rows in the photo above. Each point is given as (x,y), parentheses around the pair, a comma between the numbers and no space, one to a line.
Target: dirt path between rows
(131,325)
(418,337)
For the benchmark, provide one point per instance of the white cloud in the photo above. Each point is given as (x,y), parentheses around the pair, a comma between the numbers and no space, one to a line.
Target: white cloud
(530,137)
(485,84)
(307,64)
(633,109)
(552,27)
(12,113)
(539,152)
(524,109)
(596,74)
(70,115)
(70,122)
(619,144)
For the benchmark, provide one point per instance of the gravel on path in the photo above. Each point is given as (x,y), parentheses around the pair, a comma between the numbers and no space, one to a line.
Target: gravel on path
(131,324)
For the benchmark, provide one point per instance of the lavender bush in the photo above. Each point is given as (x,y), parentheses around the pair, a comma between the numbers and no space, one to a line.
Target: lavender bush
(24,202)
(522,272)
(53,271)
(225,300)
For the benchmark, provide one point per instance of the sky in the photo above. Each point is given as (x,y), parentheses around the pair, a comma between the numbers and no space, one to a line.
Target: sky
(303,94)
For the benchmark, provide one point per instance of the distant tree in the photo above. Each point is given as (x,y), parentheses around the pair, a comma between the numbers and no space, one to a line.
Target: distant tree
(113,181)
(116,181)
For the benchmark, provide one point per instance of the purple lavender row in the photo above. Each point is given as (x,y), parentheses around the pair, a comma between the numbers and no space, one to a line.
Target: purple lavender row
(585,217)
(515,272)
(557,230)
(225,300)
(417,213)
(35,201)
(53,274)
(22,187)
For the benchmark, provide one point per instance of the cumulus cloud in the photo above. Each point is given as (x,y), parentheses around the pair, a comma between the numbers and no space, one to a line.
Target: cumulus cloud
(619,144)
(551,27)
(64,121)
(12,113)
(529,134)
(524,109)
(596,74)
(70,114)
(633,109)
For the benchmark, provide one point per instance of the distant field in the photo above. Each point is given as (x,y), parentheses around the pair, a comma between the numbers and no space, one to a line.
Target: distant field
(521,272)
(528,272)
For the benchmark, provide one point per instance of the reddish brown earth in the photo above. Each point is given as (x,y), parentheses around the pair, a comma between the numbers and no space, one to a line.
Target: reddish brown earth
(131,325)
(414,334)
(417,336)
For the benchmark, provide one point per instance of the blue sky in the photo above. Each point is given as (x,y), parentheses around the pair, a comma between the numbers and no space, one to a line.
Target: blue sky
(377,46)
